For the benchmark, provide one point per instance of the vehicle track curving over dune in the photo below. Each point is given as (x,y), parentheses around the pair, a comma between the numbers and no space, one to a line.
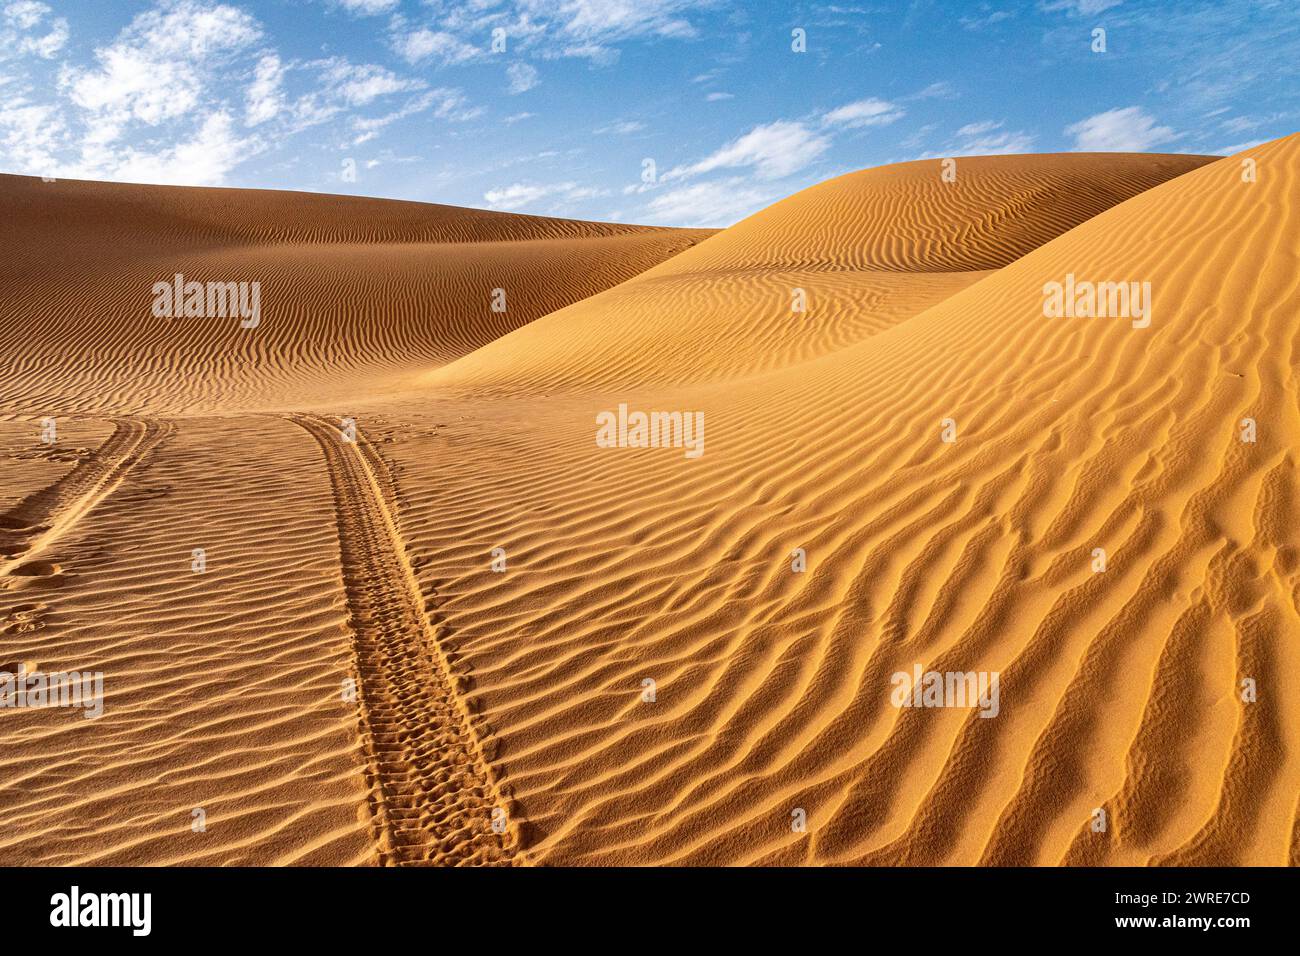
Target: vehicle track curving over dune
(42,518)
(433,793)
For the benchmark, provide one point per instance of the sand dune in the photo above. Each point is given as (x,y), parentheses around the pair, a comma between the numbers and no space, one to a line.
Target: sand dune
(815,273)
(361,292)
(519,697)
(1120,690)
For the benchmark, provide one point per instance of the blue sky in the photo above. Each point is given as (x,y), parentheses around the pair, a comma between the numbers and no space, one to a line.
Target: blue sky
(408,99)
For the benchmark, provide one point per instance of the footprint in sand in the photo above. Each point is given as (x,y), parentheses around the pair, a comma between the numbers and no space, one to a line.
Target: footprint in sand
(45,574)
(24,618)
(16,535)
(37,569)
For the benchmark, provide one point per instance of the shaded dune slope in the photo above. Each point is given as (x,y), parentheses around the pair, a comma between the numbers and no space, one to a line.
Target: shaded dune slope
(816,272)
(362,291)
(1120,690)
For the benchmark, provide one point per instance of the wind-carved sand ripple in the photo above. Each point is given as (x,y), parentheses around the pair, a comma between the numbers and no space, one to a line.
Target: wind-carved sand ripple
(818,272)
(374,292)
(1119,690)
(223,689)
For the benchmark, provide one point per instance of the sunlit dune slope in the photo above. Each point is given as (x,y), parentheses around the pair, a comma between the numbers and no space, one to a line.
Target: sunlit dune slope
(817,272)
(1121,685)
(356,294)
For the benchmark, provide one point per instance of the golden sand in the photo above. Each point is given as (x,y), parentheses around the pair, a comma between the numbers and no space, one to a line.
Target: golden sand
(352,678)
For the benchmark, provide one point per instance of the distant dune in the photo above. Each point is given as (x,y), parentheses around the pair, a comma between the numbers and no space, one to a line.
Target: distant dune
(363,291)
(470,634)
(868,250)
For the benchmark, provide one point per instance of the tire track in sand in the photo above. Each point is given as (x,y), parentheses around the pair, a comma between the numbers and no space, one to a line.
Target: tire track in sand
(433,794)
(40,519)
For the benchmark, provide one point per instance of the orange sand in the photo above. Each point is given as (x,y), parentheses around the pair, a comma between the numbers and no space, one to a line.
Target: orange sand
(517,696)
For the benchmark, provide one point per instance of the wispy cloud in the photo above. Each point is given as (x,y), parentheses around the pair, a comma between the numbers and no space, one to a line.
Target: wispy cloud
(712,204)
(622,128)
(772,151)
(265,96)
(23,31)
(417,46)
(157,68)
(984,17)
(1081,8)
(1119,130)
(522,195)
(941,90)
(523,77)
(444,103)
(868,112)
(981,138)
(275,94)
(366,7)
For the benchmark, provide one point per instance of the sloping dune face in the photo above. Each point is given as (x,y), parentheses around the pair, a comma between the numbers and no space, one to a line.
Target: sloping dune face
(699,659)
(817,272)
(352,294)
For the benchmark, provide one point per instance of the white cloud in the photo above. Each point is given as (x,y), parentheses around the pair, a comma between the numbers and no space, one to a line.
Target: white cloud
(451,104)
(996,144)
(345,86)
(550,29)
(611,20)
(1125,130)
(1083,8)
(419,45)
(203,160)
(25,14)
(360,83)
(48,46)
(30,137)
(1239,147)
(773,151)
(1239,124)
(712,204)
(983,138)
(445,103)
(942,90)
(163,101)
(157,67)
(263,96)
(624,128)
(868,112)
(523,77)
(985,18)
(716,97)
(367,7)
(369,126)
(519,195)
